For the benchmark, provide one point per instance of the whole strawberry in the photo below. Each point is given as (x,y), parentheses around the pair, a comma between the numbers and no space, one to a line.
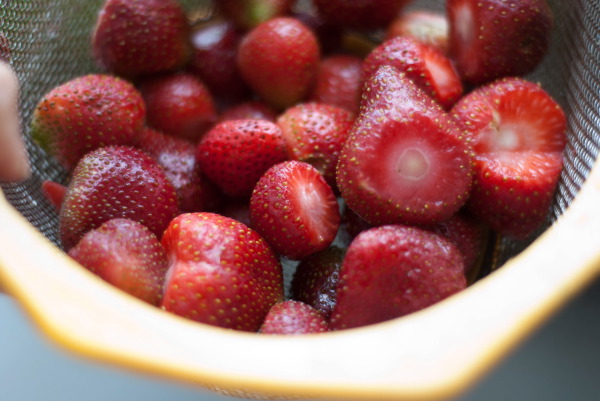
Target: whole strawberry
(139,37)
(404,161)
(315,133)
(127,255)
(221,272)
(235,154)
(339,82)
(518,134)
(178,159)
(87,113)
(391,271)
(179,105)
(116,181)
(248,14)
(252,110)
(279,60)
(490,39)
(293,317)
(294,209)
(360,14)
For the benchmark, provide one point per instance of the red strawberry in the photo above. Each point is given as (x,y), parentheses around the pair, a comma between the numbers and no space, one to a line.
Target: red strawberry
(315,133)
(236,209)
(221,272)
(315,279)
(248,14)
(135,37)
(360,14)
(426,26)
(404,161)
(179,105)
(469,235)
(490,39)
(426,65)
(329,36)
(235,154)
(295,210)
(178,158)
(126,254)
(214,59)
(116,181)
(54,193)
(293,317)
(339,82)
(249,111)
(279,60)
(391,271)
(87,113)
(518,133)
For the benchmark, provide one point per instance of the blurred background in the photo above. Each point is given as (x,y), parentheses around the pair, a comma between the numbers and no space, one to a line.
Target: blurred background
(561,361)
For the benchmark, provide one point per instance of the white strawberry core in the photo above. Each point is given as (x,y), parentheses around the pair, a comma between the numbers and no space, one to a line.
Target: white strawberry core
(412,164)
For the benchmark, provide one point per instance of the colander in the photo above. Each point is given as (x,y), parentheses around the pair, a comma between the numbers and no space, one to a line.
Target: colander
(432,354)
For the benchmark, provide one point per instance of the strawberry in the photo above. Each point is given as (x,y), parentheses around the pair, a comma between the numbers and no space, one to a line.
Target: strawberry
(518,133)
(469,235)
(236,209)
(54,192)
(87,113)
(426,26)
(235,154)
(315,279)
(138,37)
(315,133)
(220,272)
(404,161)
(214,59)
(179,105)
(279,59)
(329,36)
(116,181)
(178,159)
(253,110)
(127,255)
(295,210)
(248,14)
(490,39)
(364,15)
(426,65)
(391,271)
(339,82)
(293,317)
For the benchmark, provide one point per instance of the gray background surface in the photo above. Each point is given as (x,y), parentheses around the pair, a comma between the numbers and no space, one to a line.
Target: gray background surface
(561,361)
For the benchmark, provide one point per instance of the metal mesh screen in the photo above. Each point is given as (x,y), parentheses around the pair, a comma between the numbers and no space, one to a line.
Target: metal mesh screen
(49,44)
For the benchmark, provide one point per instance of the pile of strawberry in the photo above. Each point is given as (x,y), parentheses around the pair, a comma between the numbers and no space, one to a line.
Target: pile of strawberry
(205,155)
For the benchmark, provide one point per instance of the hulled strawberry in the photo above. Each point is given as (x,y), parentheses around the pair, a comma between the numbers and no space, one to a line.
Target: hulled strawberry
(279,60)
(178,159)
(315,133)
(54,193)
(315,279)
(426,65)
(214,60)
(248,14)
(235,154)
(139,37)
(220,272)
(426,26)
(404,161)
(253,110)
(116,181)
(360,14)
(391,271)
(339,82)
(126,254)
(87,113)
(294,209)
(490,39)
(518,133)
(179,105)
(293,317)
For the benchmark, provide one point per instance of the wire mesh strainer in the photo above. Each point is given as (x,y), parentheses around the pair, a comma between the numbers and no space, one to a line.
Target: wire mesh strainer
(430,354)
